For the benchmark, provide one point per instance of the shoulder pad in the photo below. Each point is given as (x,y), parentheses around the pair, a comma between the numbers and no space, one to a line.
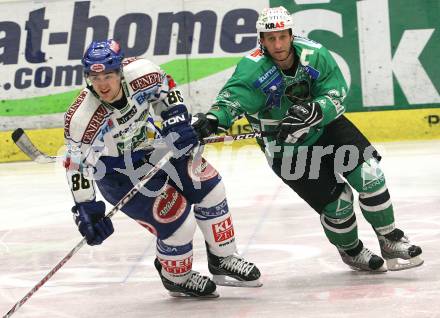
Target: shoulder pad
(305,42)
(141,74)
(85,108)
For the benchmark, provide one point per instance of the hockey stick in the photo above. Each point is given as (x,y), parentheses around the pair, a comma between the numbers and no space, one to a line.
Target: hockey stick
(226,138)
(117,207)
(27,146)
(23,142)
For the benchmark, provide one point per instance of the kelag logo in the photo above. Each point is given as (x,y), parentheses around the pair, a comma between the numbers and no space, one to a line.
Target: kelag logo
(147,34)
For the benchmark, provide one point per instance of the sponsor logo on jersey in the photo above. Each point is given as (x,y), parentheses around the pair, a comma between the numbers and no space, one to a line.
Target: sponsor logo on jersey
(223,230)
(201,170)
(220,209)
(71,111)
(129,115)
(94,124)
(133,128)
(227,242)
(134,139)
(177,267)
(170,250)
(145,96)
(169,205)
(263,78)
(106,128)
(345,203)
(298,91)
(276,25)
(372,175)
(272,85)
(314,73)
(145,81)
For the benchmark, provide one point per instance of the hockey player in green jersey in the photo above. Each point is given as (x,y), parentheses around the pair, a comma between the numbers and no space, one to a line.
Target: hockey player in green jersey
(292,90)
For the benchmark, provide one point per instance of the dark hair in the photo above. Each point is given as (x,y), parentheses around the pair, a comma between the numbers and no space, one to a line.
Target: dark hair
(262,33)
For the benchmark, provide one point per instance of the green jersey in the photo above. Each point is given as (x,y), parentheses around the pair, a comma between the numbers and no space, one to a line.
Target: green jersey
(262,92)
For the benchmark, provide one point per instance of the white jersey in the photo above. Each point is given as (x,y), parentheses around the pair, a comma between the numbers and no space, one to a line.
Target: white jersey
(93,129)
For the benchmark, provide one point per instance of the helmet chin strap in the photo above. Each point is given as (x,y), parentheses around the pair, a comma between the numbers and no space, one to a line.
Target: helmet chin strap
(90,87)
(290,52)
(117,93)
(122,86)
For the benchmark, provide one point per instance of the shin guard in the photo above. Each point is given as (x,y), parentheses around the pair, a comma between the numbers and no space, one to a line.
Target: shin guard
(374,198)
(175,253)
(339,221)
(214,219)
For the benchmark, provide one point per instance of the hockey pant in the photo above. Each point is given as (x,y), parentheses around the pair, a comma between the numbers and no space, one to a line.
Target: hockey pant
(167,214)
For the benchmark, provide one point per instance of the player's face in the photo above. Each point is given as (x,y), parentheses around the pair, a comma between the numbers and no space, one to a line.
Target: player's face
(277,43)
(107,85)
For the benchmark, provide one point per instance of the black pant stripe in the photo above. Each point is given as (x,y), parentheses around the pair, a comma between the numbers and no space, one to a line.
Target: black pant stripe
(340,226)
(376,200)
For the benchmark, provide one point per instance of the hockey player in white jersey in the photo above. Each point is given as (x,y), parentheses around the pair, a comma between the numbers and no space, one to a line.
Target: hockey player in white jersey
(109,134)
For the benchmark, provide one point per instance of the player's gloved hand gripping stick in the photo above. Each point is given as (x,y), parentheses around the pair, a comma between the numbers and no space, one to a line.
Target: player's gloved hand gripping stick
(23,142)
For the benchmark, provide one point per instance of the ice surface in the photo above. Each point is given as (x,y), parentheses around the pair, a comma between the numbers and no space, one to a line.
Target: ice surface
(302,273)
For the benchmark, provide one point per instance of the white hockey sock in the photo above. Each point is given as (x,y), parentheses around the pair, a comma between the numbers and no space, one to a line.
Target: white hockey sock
(176,268)
(215,221)
(176,252)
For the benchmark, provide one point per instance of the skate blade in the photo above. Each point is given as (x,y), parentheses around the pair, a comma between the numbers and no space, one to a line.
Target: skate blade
(183,295)
(398,264)
(223,280)
(380,270)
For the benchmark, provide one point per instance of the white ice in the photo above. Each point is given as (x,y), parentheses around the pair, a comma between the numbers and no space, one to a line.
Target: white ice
(302,273)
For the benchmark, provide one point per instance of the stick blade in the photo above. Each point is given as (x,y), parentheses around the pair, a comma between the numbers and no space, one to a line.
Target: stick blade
(16,134)
(25,144)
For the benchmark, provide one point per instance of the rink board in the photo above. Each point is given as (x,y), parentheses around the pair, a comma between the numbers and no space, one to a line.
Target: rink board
(417,124)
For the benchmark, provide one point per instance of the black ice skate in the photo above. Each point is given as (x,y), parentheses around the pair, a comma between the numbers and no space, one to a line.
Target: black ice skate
(196,285)
(398,252)
(233,271)
(361,258)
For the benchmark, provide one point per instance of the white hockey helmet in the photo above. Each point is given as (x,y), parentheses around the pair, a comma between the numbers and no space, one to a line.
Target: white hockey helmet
(274,19)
